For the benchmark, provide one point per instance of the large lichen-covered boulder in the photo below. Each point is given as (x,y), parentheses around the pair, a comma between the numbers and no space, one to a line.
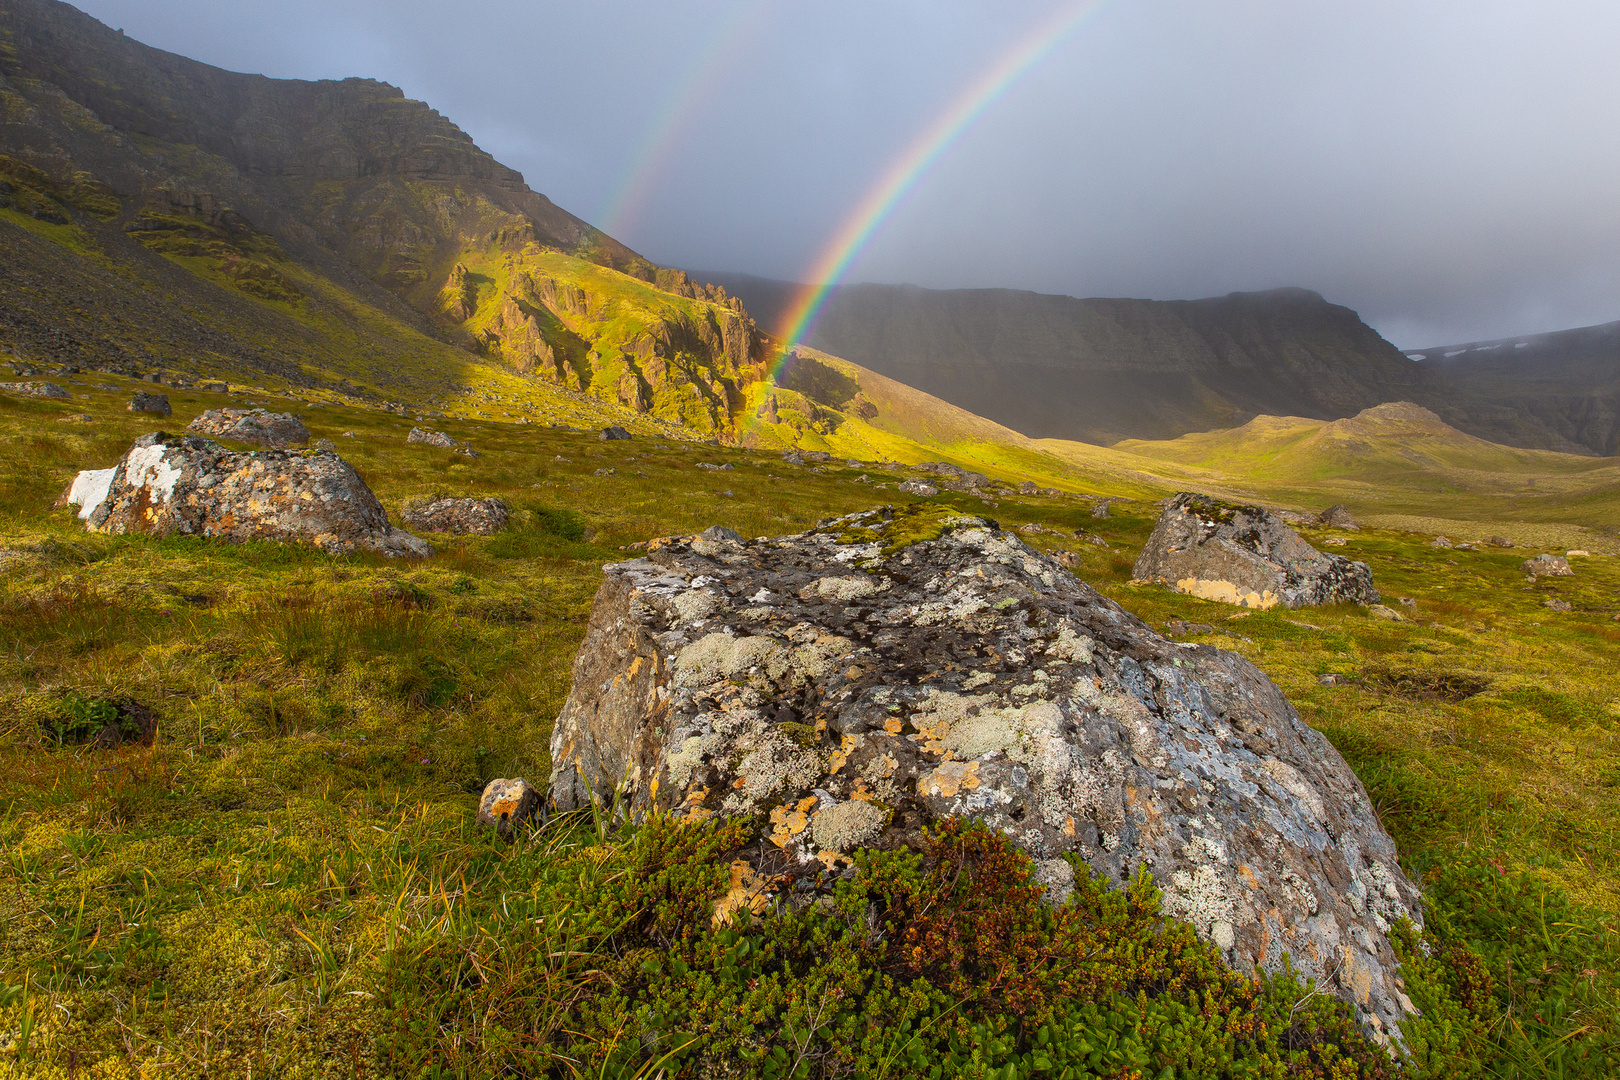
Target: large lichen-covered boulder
(256,426)
(191,486)
(1245,555)
(850,685)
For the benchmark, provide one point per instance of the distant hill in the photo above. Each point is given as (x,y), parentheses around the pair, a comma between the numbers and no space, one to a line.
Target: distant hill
(1567,382)
(1103,370)
(1397,458)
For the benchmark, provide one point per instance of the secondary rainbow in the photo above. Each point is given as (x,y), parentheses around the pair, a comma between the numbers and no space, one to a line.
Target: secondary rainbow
(681,105)
(910,167)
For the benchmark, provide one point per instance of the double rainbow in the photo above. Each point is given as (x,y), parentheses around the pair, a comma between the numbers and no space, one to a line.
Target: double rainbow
(913,164)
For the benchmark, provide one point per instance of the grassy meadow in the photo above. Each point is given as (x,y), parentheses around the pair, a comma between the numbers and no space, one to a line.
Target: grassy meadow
(288,882)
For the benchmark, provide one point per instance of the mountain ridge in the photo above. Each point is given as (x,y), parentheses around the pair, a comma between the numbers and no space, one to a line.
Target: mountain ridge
(1102,370)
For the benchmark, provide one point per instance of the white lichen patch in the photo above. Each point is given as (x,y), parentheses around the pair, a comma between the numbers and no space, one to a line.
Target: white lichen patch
(1293,781)
(844,589)
(847,825)
(89,490)
(720,656)
(696,605)
(1070,646)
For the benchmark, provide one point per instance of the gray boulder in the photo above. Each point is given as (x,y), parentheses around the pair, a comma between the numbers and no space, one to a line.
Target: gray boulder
(1547,566)
(439,438)
(1245,555)
(1338,517)
(191,486)
(919,487)
(255,426)
(35,389)
(157,404)
(480,517)
(848,688)
(614,432)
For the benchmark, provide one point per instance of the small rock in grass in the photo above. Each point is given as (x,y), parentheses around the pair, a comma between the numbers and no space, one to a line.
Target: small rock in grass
(1337,517)
(1500,541)
(325,444)
(1187,629)
(918,487)
(1555,604)
(76,418)
(477,517)
(1389,614)
(1577,553)
(1440,542)
(157,404)
(507,804)
(614,432)
(35,389)
(1547,566)
(1330,679)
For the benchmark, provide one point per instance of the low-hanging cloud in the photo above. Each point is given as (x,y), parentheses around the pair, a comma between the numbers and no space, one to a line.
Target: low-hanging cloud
(1445,167)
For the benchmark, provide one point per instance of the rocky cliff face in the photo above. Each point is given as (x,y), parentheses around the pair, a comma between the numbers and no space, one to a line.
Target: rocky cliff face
(852,684)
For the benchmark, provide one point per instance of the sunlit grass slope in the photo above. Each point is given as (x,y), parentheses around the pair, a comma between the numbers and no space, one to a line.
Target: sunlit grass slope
(1399,464)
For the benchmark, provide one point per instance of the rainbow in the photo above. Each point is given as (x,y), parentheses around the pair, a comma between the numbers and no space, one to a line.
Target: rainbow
(676,112)
(913,164)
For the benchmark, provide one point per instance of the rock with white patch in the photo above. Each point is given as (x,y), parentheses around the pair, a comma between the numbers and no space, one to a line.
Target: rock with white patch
(1245,555)
(191,486)
(850,685)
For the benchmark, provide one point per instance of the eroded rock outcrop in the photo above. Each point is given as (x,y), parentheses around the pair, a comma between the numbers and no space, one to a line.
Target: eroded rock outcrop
(191,486)
(848,687)
(1245,555)
(256,426)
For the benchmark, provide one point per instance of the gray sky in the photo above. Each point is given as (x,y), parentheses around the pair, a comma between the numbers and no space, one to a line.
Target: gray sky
(1449,168)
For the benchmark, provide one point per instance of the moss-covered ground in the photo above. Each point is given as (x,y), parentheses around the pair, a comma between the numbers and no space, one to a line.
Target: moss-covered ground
(288,882)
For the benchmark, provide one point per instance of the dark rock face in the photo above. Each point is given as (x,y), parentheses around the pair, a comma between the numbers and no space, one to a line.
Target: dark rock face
(1245,555)
(614,432)
(848,688)
(480,517)
(187,485)
(255,426)
(157,404)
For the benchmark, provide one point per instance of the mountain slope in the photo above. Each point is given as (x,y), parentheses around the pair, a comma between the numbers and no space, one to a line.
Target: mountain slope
(1566,382)
(1101,370)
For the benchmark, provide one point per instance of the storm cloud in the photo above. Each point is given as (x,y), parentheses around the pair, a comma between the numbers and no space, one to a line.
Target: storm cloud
(1446,167)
